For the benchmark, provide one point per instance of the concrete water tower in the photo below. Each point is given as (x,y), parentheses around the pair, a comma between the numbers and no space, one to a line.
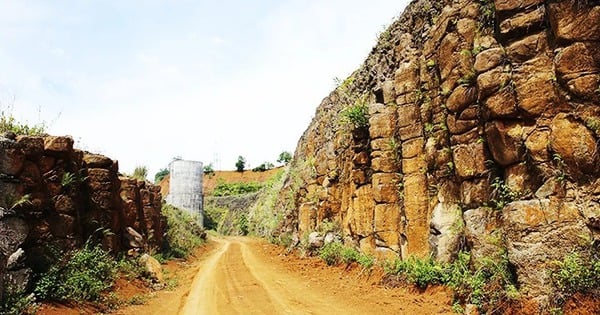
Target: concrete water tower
(185,187)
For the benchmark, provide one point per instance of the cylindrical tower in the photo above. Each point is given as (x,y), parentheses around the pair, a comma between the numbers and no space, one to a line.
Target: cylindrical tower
(185,188)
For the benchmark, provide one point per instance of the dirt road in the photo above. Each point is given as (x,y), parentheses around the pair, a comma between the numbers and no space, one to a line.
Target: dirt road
(248,276)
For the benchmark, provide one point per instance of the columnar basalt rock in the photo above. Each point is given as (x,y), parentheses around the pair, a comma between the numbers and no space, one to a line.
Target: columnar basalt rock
(483,132)
(57,197)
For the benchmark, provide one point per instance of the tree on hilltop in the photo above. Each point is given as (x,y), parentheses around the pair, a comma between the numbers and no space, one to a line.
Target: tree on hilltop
(240,164)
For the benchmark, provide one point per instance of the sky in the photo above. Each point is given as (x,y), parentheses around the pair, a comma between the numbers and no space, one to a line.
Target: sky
(210,80)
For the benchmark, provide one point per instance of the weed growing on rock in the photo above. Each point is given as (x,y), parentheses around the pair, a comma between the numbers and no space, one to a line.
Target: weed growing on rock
(357,115)
(8,123)
(574,274)
(503,194)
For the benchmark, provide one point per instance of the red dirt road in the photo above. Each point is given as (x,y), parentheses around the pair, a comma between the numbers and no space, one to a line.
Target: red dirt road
(248,276)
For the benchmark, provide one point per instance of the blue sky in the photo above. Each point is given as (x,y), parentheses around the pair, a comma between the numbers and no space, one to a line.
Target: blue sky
(145,81)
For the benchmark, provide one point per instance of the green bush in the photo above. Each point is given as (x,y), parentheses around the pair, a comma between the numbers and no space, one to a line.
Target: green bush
(575,275)
(80,276)
(357,115)
(331,253)
(223,189)
(8,123)
(335,252)
(184,232)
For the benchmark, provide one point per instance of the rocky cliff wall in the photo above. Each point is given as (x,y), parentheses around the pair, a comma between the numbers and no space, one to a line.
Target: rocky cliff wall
(482,135)
(55,198)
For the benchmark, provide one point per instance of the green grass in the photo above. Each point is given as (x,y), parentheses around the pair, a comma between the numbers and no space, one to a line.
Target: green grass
(574,274)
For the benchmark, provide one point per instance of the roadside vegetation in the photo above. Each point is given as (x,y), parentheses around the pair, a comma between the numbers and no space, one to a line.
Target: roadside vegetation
(88,275)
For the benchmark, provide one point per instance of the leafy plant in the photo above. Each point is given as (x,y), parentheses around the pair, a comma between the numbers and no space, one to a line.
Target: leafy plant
(13,202)
(487,286)
(331,253)
(8,123)
(503,194)
(80,276)
(335,252)
(575,275)
(356,115)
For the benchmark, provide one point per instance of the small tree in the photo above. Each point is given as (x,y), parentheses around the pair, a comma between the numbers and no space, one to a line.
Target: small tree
(240,164)
(160,175)
(209,170)
(284,157)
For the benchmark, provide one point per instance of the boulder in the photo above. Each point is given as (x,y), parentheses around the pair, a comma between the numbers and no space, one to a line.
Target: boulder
(538,232)
(483,232)
(58,146)
(152,268)
(315,240)
(573,20)
(446,231)
(96,161)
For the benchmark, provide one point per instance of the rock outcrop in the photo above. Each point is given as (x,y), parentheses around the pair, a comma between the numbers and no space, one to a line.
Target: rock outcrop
(482,135)
(55,197)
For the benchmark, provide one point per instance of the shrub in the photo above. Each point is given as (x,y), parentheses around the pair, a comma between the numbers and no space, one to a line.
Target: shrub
(575,275)
(335,253)
(8,123)
(184,232)
(331,253)
(357,115)
(263,167)
(208,169)
(80,276)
